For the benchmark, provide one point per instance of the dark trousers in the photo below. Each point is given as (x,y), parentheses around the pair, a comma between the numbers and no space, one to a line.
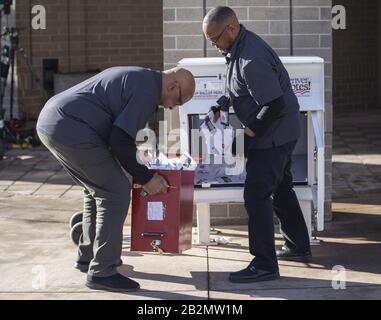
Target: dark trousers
(269,188)
(106,202)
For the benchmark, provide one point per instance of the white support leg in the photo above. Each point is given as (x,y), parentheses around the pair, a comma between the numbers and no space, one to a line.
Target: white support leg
(203,225)
(306,207)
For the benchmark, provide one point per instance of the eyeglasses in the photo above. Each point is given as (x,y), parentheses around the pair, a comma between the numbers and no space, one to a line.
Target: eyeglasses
(214,42)
(180,100)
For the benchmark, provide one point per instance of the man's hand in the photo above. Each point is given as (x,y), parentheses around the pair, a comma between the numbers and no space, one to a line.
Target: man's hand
(216,116)
(249,132)
(156,185)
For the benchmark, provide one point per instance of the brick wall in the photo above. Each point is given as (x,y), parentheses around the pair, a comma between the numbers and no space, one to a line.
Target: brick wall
(355,55)
(87,35)
(270,19)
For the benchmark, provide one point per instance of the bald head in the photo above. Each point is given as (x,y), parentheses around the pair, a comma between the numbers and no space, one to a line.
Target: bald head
(178,87)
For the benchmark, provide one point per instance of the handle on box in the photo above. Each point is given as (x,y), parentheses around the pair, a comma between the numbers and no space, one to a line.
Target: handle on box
(152,234)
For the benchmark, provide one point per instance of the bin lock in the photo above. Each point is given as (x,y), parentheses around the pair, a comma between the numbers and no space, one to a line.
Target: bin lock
(155,244)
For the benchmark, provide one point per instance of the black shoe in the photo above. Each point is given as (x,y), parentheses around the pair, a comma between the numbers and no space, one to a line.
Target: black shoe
(84,266)
(252,274)
(288,254)
(114,283)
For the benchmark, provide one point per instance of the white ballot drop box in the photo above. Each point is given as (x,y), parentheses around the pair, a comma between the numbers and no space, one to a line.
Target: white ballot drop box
(307,79)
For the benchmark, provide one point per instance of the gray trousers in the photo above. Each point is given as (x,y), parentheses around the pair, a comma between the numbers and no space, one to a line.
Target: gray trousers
(106,201)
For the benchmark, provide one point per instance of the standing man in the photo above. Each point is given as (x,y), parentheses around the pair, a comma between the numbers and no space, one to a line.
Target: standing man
(91,130)
(262,97)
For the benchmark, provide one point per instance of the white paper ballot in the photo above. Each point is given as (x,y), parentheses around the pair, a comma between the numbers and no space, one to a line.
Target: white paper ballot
(155,211)
(220,141)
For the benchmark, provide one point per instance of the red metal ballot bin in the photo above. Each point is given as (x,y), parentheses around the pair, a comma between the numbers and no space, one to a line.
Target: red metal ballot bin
(163,223)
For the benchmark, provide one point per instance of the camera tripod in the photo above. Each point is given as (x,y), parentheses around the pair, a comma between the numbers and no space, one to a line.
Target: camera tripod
(13,131)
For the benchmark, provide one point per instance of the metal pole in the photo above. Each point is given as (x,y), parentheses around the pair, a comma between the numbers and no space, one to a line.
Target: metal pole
(1,66)
(204,14)
(291,29)
(12,57)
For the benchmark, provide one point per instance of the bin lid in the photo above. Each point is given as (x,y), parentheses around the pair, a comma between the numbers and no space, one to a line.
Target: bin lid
(201,61)
(302,60)
(220,60)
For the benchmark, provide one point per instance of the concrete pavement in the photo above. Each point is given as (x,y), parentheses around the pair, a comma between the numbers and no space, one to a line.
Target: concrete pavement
(37,259)
(37,200)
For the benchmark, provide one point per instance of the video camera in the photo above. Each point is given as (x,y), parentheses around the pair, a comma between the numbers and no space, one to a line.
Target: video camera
(6,6)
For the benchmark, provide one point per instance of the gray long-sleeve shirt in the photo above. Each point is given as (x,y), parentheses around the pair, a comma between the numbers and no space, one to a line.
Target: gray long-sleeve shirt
(120,96)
